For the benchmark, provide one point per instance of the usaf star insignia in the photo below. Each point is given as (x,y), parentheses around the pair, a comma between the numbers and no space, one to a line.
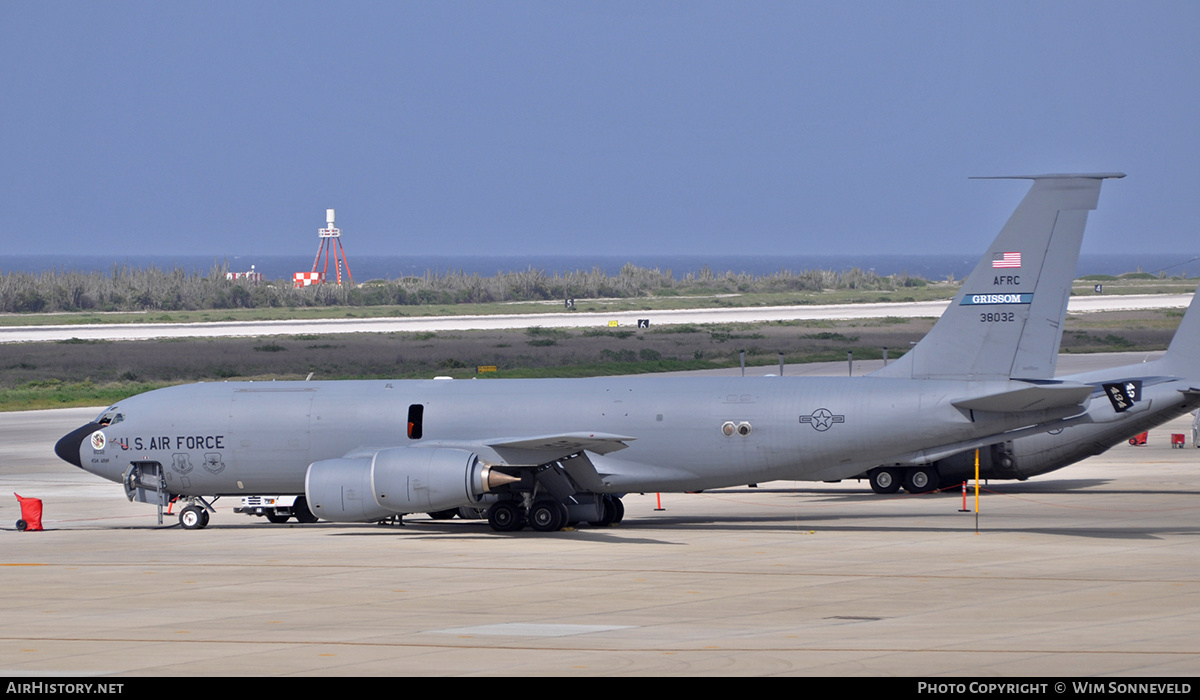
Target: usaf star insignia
(822,419)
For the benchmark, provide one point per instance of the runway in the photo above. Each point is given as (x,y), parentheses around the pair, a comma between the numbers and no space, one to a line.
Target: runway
(1089,571)
(142,331)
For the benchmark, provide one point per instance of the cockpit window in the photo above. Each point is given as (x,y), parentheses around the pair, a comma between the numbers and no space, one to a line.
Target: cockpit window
(110,417)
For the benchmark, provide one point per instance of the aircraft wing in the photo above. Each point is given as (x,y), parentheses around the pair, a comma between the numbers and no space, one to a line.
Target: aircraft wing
(536,449)
(548,448)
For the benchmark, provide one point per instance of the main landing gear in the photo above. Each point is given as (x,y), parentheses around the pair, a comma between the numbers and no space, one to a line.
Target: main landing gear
(888,480)
(549,515)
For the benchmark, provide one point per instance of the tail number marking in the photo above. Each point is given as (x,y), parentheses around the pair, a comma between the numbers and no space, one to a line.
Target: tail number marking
(997,317)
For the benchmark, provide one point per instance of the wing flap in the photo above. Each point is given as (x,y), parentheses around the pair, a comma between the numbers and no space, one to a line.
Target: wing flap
(542,449)
(564,444)
(536,449)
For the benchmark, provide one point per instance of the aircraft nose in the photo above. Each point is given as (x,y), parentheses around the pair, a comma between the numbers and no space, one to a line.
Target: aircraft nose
(67,447)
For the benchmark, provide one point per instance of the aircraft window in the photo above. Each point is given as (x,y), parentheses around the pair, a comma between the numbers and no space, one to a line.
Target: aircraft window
(416,417)
(110,418)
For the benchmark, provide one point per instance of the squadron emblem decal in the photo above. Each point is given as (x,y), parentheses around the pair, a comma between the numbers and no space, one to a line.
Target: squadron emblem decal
(181,463)
(822,419)
(213,462)
(98,441)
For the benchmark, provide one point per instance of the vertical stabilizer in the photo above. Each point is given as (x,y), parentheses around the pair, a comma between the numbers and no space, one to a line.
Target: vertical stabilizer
(1183,354)
(1006,322)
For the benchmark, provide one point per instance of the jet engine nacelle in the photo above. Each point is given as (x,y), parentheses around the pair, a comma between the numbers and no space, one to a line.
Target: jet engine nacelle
(394,481)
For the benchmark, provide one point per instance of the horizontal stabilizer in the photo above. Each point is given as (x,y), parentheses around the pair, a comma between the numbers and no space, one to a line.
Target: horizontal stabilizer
(933,454)
(1035,397)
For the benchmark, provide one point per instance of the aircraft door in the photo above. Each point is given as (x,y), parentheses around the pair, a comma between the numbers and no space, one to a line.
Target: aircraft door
(144,482)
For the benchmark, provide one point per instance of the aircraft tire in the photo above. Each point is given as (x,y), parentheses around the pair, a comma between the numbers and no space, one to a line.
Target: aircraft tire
(921,480)
(547,516)
(618,510)
(884,480)
(614,512)
(193,518)
(22,525)
(610,512)
(505,516)
(301,511)
(277,518)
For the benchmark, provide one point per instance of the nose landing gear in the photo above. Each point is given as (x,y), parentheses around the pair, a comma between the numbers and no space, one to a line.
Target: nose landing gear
(194,515)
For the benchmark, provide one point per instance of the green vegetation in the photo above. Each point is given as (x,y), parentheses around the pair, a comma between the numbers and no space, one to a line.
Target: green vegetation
(58,394)
(126,295)
(1134,283)
(46,375)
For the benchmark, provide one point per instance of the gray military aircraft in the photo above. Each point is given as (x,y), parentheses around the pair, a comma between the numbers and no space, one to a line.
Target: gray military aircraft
(1139,397)
(545,452)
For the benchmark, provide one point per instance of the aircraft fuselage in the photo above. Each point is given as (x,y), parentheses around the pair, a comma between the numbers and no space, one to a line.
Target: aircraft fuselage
(686,433)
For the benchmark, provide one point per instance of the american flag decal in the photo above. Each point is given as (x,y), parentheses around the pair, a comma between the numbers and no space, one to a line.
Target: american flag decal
(1006,259)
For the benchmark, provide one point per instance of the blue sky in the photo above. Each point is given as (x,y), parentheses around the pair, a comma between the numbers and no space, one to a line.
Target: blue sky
(601,127)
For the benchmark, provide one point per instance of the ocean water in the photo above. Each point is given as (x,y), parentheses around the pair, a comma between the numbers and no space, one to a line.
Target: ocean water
(363,268)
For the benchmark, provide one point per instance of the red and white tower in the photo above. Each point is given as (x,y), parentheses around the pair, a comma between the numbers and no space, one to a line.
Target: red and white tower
(331,244)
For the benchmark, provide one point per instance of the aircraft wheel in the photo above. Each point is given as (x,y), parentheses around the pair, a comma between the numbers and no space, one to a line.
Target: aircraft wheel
(277,518)
(609,512)
(22,525)
(193,518)
(301,511)
(921,480)
(618,510)
(884,480)
(547,516)
(505,516)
